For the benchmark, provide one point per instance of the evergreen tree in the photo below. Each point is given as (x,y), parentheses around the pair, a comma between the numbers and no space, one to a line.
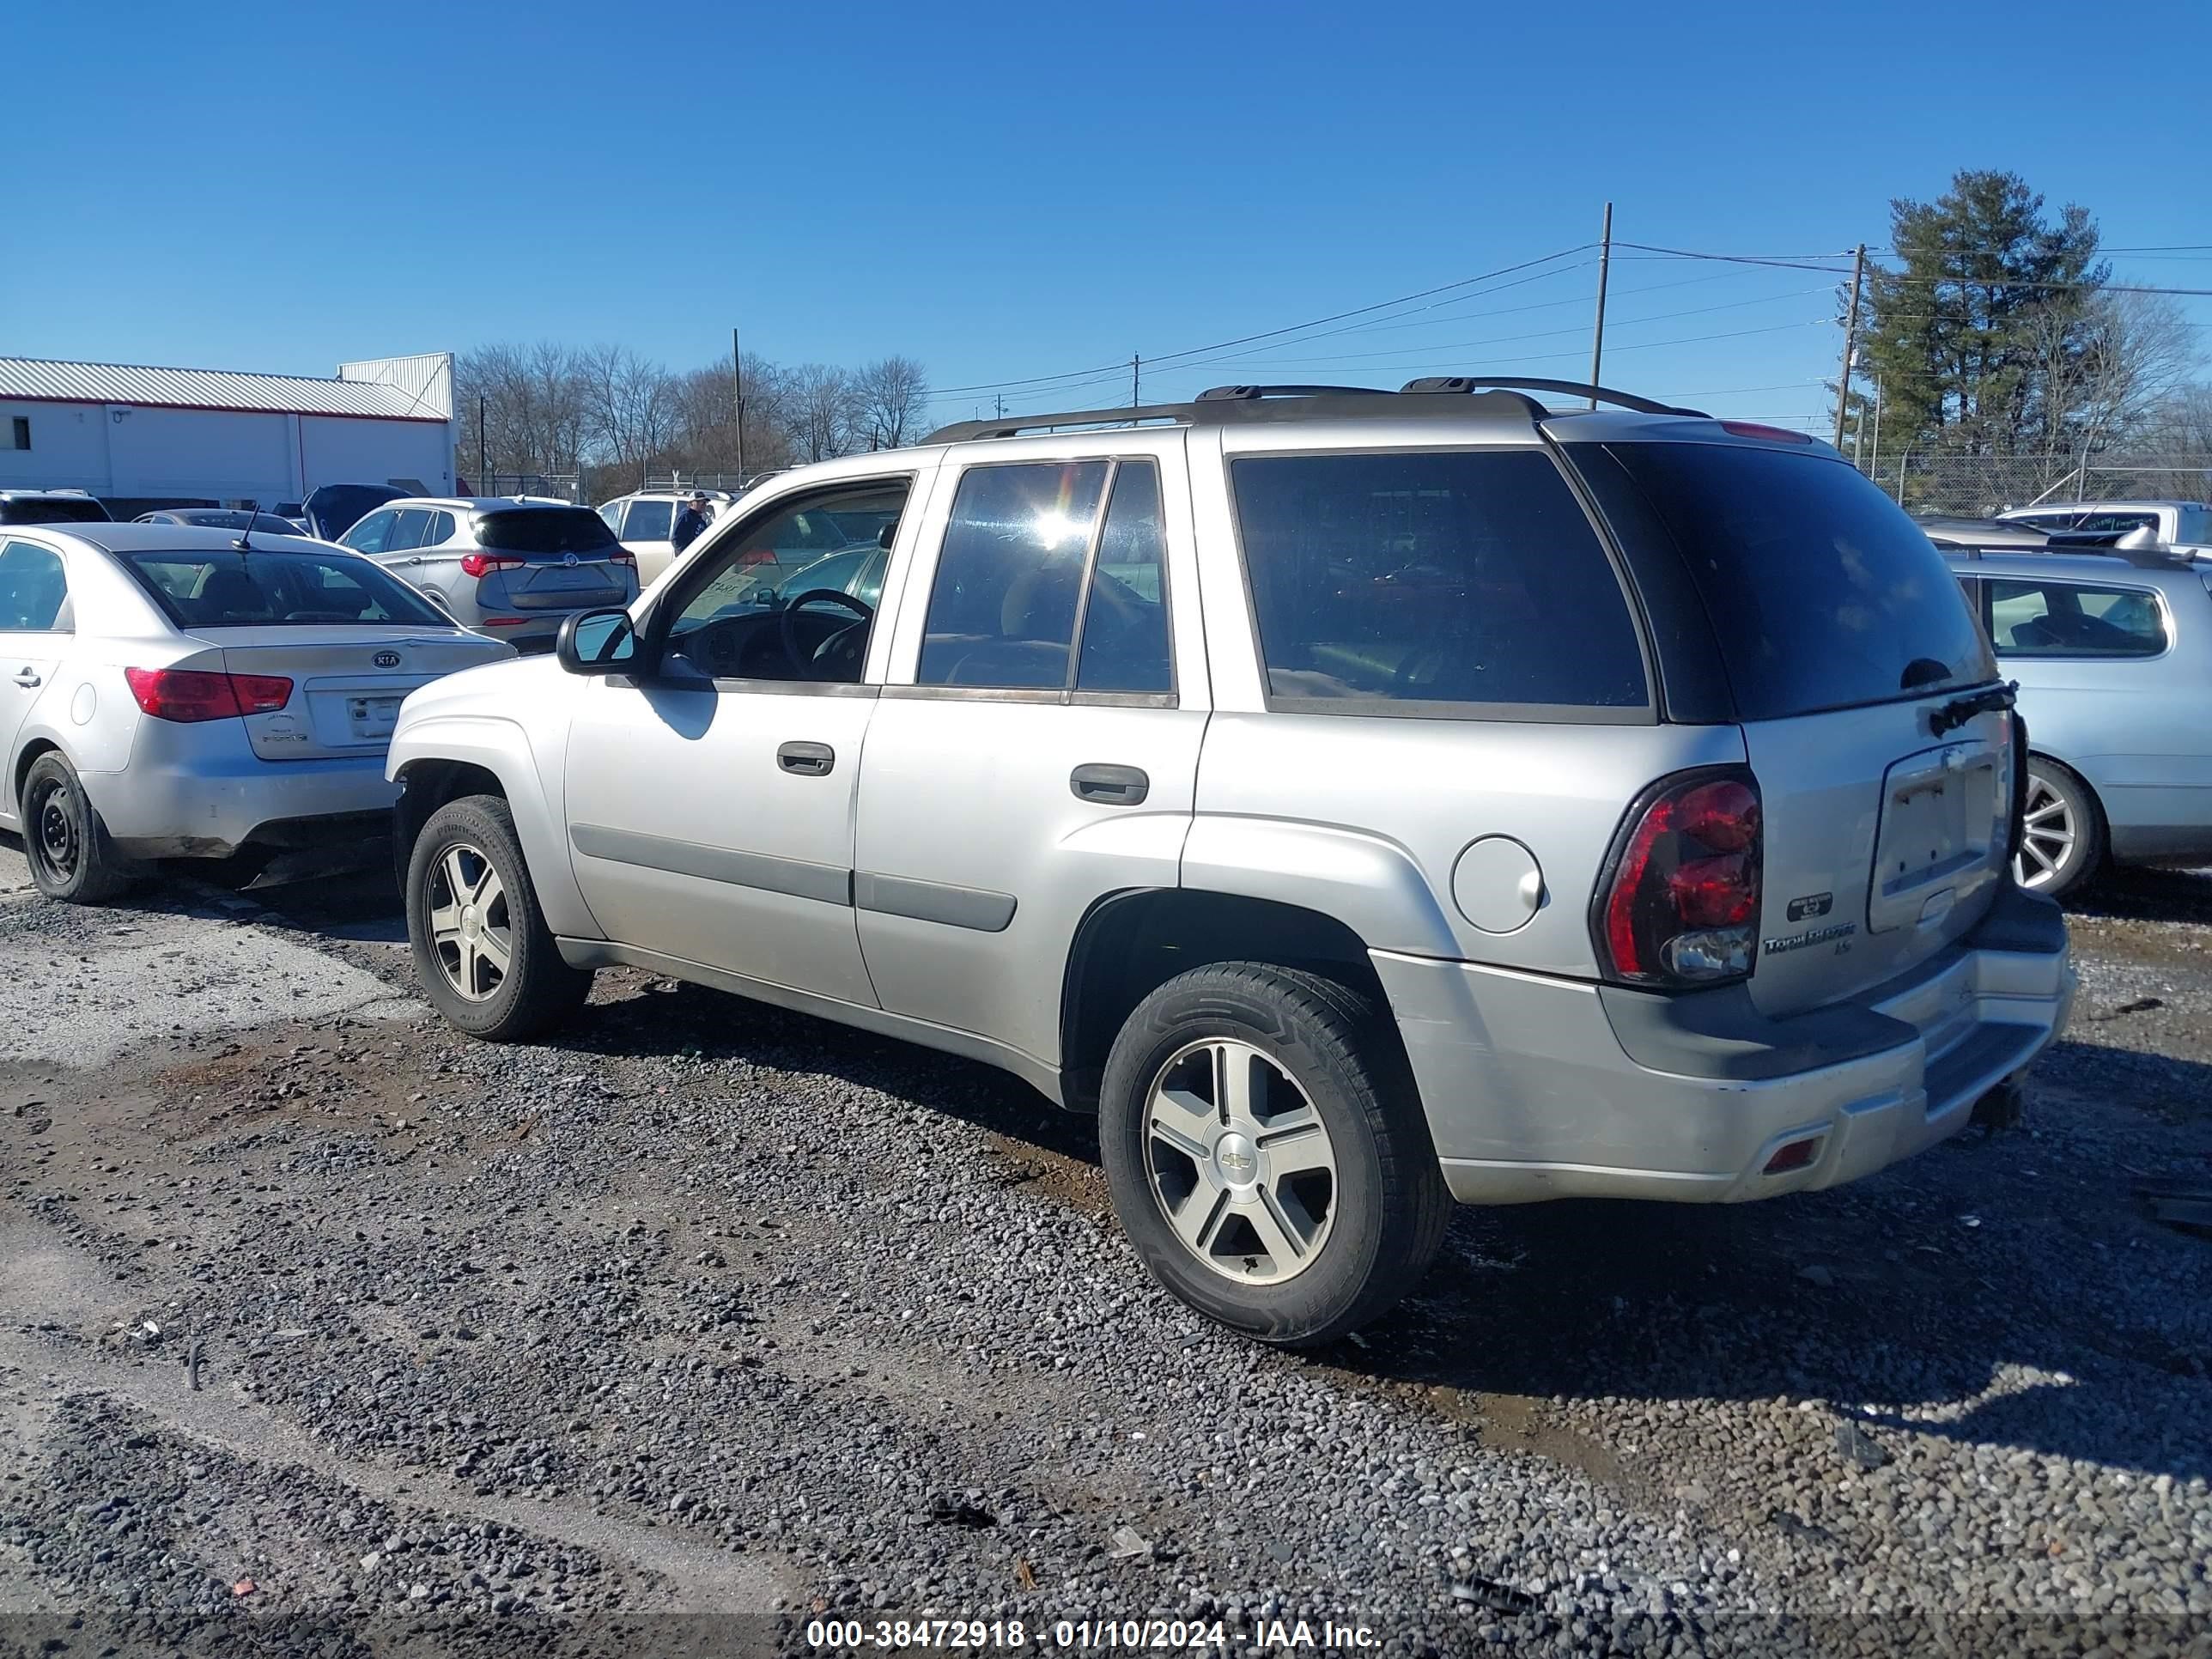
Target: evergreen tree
(1989,298)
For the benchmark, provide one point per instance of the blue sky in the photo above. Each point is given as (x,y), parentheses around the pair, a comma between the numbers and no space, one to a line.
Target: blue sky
(1006,192)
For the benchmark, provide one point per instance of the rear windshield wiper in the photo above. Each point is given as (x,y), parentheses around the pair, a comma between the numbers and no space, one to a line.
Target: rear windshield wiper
(1957,712)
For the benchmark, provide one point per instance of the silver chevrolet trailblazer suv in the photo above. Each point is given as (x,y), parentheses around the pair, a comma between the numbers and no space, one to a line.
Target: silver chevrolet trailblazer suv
(1360,799)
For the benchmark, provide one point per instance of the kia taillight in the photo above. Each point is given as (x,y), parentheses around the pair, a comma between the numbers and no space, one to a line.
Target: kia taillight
(622,555)
(1679,903)
(480,565)
(757,556)
(191,695)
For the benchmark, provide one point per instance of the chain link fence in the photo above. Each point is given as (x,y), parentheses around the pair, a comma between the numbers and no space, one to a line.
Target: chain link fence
(1982,484)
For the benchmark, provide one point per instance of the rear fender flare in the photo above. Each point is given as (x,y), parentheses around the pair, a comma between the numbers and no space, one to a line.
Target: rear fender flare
(1370,884)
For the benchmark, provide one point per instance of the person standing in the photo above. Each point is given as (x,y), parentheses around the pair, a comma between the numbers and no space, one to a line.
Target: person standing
(689,522)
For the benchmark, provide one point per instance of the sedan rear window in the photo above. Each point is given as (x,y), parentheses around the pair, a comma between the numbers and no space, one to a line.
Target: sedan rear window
(1822,594)
(227,589)
(552,529)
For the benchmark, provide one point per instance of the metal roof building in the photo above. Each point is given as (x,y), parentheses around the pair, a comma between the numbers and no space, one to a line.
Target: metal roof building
(139,436)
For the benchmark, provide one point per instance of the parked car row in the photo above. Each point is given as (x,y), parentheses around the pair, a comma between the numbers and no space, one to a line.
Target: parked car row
(1360,801)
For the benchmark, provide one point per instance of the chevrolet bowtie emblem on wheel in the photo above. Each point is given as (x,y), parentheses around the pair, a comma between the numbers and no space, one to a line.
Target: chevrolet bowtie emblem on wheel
(387,660)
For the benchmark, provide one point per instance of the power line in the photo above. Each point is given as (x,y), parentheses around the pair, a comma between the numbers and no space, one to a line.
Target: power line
(1293,328)
(1538,334)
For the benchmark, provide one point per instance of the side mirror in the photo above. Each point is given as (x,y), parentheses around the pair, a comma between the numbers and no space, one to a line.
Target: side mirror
(597,642)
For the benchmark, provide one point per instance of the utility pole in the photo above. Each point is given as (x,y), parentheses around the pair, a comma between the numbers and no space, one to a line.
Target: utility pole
(1604,268)
(1136,365)
(1002,405)
(1850,337)
(483,455)
(738,398)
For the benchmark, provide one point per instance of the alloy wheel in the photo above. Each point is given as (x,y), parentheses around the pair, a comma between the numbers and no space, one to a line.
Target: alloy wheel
(2050,836)
(472,929)
(1239,1162)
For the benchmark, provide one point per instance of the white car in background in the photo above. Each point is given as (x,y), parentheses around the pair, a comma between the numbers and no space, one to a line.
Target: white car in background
(2183,526)
(176,692)
(644,520)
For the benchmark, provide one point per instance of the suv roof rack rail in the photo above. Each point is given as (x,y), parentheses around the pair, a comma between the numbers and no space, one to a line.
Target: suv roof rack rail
(2143,558)
(1241,394)
(1260,403)
(1628,400)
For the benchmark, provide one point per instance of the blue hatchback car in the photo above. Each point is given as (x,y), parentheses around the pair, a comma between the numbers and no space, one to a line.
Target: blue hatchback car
(2113,653)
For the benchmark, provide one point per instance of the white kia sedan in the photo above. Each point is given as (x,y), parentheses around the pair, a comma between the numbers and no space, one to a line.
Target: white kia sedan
(173,692)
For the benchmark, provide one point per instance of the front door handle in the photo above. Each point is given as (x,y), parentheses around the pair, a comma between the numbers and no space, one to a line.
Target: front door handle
(1109,786)
(808,760)
(28,678)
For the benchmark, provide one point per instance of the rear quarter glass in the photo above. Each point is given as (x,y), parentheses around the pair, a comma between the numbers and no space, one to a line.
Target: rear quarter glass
(1820,592)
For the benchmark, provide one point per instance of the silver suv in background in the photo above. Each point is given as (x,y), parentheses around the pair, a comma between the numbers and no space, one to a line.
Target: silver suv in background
(511,568)
(1360,801)
(2112,652)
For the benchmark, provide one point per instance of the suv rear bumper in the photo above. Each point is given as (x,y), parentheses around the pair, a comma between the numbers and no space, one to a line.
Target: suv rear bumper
(1538,1088)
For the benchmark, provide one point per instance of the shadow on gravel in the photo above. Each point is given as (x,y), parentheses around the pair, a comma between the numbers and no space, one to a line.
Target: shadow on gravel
(2137,895)
(2003,1290)
(671,1018)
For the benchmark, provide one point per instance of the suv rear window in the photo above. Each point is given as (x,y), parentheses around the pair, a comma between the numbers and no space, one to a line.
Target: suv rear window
(1822,592)
(227,589)
(545,530)
(1450,578)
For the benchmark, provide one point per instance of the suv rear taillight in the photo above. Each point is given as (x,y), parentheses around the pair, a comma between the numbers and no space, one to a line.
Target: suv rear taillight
(2016,812)
(189,694)
(480,565)
(1679,905)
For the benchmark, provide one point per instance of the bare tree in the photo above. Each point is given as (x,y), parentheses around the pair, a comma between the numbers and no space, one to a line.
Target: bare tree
(633,407)
(534,407)
(818,411)
(890,397)
(2106,365)
(706,399)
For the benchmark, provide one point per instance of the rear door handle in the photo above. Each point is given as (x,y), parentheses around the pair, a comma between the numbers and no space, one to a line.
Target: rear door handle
(1109,786)
(808,760)
(28,678)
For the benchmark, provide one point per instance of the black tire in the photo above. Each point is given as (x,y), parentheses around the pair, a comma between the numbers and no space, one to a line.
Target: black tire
(1387,1205)
(70,856)
(535,990)
(2057,796)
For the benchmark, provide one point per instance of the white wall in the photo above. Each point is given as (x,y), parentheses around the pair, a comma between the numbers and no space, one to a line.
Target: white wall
(69,448)
(342,451)
(140,453)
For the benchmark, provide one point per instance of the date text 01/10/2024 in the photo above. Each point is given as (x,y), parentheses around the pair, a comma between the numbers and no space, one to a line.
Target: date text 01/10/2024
(1086,1635)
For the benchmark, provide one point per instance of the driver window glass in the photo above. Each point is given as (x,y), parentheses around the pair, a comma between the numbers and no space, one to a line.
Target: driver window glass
(1002,607)
(368,535)
(732,624)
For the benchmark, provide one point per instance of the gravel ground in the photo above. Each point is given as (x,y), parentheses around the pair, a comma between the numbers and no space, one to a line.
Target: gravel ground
(334,1332)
